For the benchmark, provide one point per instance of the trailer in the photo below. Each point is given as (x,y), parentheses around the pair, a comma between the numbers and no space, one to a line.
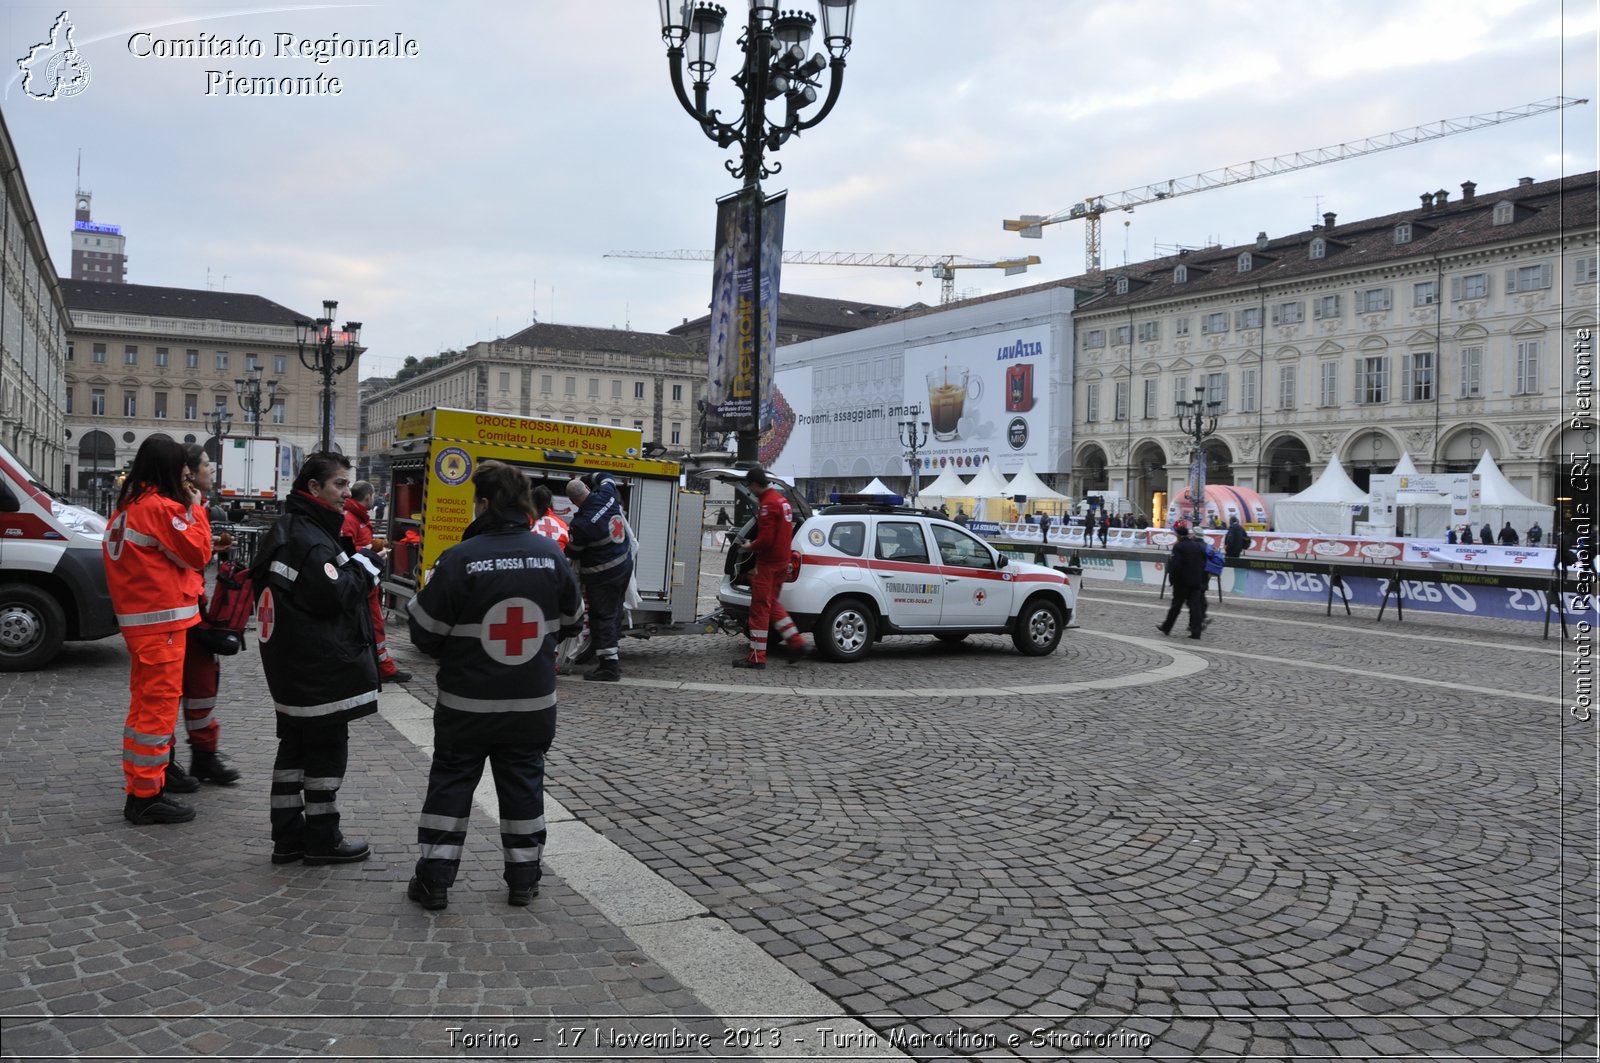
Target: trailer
(256,473)
(436,451)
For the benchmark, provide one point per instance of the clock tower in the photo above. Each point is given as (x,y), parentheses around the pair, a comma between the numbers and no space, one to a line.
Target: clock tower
(98,250)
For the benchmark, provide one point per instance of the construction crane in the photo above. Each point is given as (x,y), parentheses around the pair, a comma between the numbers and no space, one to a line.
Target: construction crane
(1091,208)
(943,267)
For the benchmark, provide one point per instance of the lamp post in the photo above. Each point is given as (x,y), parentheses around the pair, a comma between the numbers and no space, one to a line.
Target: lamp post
(329,353)
(775,66)
(252,402)
(217,422)
(1197,418)
(913,437)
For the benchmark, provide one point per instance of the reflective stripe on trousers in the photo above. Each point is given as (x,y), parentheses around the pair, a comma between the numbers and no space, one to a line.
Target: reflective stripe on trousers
(155,685)
(453,779)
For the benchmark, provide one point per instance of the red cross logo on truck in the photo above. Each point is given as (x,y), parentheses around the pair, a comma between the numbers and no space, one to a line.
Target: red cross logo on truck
(513,631)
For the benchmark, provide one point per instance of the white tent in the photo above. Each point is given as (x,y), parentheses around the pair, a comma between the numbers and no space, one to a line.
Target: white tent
(1027,483)
(1499,501)
(1405,466)
(985,486)
(1324,508)
(946,485)
(877,487)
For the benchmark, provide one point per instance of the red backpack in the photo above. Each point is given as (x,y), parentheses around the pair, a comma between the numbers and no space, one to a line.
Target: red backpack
(229,609)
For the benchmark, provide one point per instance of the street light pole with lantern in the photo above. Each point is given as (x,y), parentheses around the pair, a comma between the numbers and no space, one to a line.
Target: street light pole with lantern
(775,66)
(1197,419)
(914,437)
(217,422)
(252,402)
(328,356)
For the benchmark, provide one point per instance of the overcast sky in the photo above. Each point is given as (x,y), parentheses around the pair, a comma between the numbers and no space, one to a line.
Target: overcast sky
(452,196)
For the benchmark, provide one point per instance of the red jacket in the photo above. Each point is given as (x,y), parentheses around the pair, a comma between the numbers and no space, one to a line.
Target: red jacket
(774,527)
(357,525)
(156,552)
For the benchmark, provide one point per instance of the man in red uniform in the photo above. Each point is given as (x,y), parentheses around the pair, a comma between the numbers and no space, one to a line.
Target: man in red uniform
(357,528)
(774,531)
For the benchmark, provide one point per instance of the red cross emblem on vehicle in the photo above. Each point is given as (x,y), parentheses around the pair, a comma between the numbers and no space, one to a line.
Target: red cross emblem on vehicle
(266,615)
(980,595)
(114,535)
(513,631)
(618,529)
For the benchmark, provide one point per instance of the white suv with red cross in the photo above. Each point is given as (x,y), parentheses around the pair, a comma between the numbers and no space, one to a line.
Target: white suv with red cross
(861,571)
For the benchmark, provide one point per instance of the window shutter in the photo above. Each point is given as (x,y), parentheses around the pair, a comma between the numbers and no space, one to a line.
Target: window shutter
(1316,308)
(1455,289)
(1511,280)
(1387,299)
(1544,275)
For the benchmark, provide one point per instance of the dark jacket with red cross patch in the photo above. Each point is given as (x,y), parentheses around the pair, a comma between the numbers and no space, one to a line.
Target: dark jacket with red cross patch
(314,623)
(599,547)
(492,611)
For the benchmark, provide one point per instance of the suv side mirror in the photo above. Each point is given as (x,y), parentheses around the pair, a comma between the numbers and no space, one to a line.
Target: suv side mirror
(1001,559)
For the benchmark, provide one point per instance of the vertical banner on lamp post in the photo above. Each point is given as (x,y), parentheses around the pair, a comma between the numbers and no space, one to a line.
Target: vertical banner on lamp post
(744,323)
(1197,485)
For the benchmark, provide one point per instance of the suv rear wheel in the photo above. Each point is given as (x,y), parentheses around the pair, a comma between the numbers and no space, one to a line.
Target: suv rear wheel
(845,630)
(1037,629)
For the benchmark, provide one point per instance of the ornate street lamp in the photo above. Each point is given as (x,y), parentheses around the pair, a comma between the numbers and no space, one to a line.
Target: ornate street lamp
(252,402)
(1197,419)
(330,353)
(913,437)
(217,422)
(775,68)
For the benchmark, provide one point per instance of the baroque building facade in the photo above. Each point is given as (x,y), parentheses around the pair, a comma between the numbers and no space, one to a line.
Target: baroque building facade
(33,332)
(1444,331)
(617,377)
(143,360)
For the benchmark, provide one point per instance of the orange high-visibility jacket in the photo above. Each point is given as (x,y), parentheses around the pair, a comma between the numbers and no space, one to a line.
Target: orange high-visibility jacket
(154,550)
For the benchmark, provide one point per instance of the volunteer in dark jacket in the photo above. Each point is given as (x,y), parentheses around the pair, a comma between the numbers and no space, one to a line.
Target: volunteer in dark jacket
(1186,569)
(158,539)
(1237,541)
(774,535)
(601,552)
(492,612)
(315,633)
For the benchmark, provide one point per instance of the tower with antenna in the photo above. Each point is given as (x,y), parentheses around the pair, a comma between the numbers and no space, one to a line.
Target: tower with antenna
(98,250)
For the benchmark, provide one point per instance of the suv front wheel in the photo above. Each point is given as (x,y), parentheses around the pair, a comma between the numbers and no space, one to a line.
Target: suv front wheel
(1037,629)
(845,630)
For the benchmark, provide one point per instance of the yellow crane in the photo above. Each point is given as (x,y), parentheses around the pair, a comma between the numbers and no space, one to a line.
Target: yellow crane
(942,267)
(1091,208)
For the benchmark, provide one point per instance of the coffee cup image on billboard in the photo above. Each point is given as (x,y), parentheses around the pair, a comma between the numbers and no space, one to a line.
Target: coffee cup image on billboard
(949,390)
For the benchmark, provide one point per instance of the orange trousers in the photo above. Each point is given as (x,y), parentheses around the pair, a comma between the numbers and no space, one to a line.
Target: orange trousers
(155,686)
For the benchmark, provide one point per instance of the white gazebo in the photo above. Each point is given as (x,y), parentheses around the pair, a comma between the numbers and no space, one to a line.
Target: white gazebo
(877,487)
(984,486)
(1499,500)
(1027,484)
(944,486)
(1325,508)
(1405,466)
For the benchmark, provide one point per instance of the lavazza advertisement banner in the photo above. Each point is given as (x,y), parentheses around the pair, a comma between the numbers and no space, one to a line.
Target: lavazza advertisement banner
(985,397)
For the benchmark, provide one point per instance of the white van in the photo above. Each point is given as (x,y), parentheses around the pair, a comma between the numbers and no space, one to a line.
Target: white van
(52,572)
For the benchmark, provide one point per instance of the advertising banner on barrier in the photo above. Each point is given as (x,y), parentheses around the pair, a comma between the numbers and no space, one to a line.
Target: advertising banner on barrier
(1437,553)
(1501,603)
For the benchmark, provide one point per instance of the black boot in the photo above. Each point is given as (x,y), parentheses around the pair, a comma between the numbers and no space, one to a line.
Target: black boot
(213,768)
(609,670)
(178,780)
(158,809)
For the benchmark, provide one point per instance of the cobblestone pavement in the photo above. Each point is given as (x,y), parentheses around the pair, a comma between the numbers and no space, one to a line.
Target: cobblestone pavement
(1299,837)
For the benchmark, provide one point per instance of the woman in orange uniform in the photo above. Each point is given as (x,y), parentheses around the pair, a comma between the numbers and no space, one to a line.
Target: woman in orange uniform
(159,537)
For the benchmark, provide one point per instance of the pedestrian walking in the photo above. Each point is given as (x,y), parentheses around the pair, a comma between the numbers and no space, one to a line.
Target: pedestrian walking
(770,548)
(318,652)
(601,552)
(202,671)
(357,527)
(1237,540)
(492,613)
(1105,527)
(158,538)
(1186,571)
